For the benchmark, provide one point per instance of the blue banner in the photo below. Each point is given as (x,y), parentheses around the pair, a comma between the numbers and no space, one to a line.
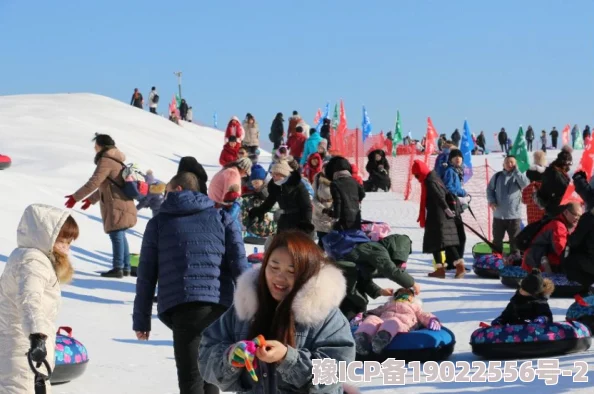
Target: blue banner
(466,147)
(365,125)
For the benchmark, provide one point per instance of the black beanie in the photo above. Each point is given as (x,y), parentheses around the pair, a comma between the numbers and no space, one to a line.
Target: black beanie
(533,283)
(103,140)
(455,153)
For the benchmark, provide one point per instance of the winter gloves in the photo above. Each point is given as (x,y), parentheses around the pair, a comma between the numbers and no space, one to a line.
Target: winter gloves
(243,353)
(580,174)
(37,351)
(86,204)
(434,324)
(71,202)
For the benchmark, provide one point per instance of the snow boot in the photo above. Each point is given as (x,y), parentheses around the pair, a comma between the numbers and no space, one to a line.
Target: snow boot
(439,272)
(460,270)
(113,273)
(362,343)
(380,341)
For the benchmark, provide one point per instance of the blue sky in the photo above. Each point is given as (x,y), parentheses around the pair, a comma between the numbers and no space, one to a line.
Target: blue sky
(496,64)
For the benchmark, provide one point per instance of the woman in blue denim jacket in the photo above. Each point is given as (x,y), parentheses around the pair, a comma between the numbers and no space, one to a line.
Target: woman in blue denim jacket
(293,302)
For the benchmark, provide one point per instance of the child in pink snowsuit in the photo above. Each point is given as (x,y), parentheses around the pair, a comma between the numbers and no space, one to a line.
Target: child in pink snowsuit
(400,314)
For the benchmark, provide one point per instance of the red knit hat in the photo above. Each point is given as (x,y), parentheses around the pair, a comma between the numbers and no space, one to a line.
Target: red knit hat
(230,197)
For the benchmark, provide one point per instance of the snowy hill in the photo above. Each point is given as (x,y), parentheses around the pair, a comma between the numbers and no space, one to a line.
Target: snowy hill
(49,140)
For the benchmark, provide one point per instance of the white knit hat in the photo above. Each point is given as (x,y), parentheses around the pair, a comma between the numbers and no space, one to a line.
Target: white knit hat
(282,167)
(244,164)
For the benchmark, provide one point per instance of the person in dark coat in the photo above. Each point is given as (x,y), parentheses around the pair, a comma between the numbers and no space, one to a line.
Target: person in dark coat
(277,131)
(378,169)
(137,99)
(502,138)
(554,184)
(438,219)
(456,137)
(347,195)
(481,142)
(325,131)
(586,134)
(530,303)
(196,253)
(190,164)
(554,136)
(183,110)
(385,258)
(287,189)
(529,138)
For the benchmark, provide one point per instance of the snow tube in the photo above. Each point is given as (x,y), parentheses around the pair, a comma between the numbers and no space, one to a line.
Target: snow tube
(582,311)
(5,162)
(488,266)
(256,258)
(511,276)
(71,358)
(419,345)
(134,260)
(482,249)
(530,340)
(253,240)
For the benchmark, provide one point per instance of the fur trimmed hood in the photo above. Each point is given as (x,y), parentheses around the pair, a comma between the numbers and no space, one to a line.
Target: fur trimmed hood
(311,305)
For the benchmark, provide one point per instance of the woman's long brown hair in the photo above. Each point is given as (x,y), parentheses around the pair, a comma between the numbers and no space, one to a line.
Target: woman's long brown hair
(61,262)
(273,319)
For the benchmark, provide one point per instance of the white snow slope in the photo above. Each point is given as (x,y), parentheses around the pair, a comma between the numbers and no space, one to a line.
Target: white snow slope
(49,140)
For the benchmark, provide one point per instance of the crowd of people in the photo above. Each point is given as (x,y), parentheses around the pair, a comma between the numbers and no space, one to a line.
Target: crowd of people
(316,276)
(185,111)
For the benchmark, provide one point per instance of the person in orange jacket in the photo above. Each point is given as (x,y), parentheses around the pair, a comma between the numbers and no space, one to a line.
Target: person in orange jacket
(230,151)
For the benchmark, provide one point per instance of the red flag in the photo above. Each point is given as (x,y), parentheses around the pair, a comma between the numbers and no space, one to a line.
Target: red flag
(430,139)
(318,117)
(565,135)
(342,123)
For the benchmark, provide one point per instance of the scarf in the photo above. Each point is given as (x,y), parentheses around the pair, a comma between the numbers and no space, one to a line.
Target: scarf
(421,171)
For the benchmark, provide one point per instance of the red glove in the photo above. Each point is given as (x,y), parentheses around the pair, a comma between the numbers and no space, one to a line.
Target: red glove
(86,204)
(71,202)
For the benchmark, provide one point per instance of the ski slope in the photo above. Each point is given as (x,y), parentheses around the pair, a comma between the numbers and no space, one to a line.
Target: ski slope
(49,140)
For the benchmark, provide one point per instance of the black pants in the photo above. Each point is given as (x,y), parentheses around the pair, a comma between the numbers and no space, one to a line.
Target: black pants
(529,145)
(153,110)
(321,238)
(554,141)
(504,148)
(187,321)
(251,150)
(451,256)
(500,227)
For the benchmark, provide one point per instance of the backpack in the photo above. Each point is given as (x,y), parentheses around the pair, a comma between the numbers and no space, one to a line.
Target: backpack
(135,185)
(526,236)
(156,98)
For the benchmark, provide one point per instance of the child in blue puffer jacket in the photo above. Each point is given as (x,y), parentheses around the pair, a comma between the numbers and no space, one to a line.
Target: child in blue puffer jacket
(155,196)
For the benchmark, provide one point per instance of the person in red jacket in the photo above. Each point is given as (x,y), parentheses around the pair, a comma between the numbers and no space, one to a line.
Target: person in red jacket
(296,143)
(548,245)
(230,151)
(234,129)
(313,167)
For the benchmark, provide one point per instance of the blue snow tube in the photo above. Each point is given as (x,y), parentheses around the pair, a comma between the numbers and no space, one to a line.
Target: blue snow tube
(582,311)
(522,341)
(488,266)
(419,345)
(71,358)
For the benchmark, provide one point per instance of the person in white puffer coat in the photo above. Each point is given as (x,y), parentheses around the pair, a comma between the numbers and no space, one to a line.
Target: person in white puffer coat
(30,294)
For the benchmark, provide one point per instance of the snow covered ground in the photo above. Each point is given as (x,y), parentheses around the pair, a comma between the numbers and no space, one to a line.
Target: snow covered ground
(49,140)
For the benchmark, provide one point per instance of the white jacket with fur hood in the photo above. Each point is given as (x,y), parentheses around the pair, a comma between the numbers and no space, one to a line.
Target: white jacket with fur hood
(29,297)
